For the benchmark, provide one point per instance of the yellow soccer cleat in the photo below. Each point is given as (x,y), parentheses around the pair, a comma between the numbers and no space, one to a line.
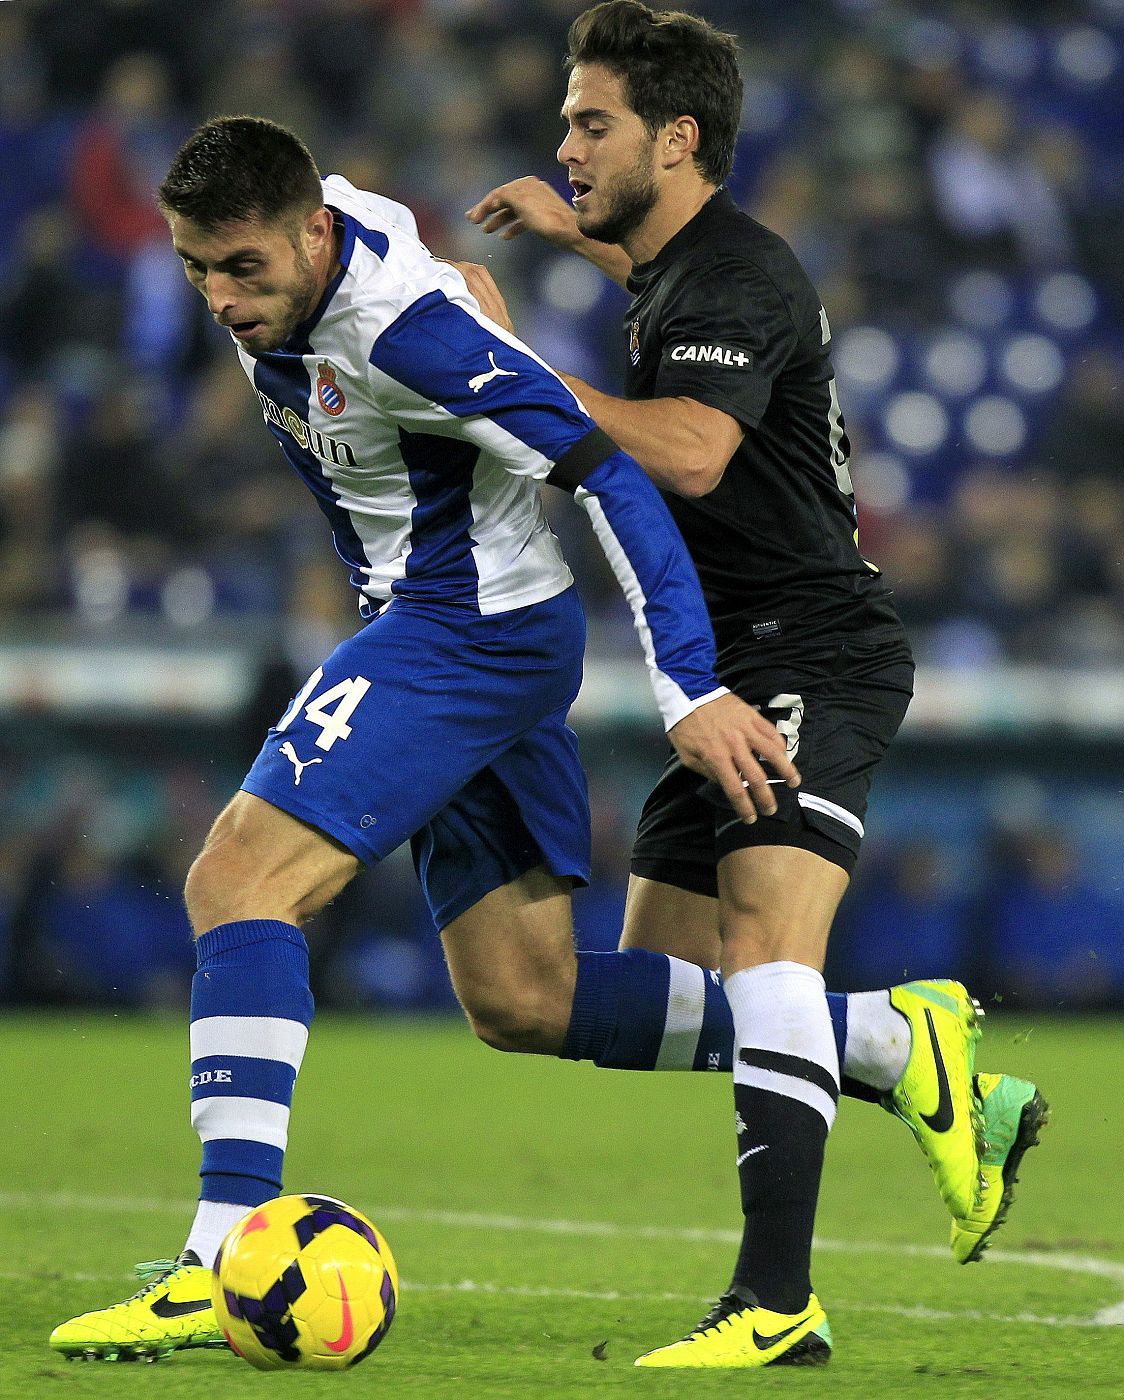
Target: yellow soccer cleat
(934,1096)
(738,1332)
(172,1311)
(1014,1113)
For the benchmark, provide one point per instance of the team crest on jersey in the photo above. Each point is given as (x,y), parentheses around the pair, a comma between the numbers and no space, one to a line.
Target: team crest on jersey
(329,395)
(634,341)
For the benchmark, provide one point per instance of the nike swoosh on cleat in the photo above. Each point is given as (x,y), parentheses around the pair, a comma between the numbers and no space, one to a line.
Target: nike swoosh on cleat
(942,1120)
(764,1343)
(164,1307)
(347,1335)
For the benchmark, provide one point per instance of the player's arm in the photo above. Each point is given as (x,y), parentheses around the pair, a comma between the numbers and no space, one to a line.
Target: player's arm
(683,445)
(725,333)
(440,368)
(713,731)
(530,205)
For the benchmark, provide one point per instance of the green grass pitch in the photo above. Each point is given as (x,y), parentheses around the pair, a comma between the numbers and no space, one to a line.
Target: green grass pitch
(552,1221)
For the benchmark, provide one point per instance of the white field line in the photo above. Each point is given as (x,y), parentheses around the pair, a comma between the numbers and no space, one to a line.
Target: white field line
(694,1300)
(699,1300)
(1110,1316)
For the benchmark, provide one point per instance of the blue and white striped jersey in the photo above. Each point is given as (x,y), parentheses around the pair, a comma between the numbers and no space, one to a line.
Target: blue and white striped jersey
(423,429)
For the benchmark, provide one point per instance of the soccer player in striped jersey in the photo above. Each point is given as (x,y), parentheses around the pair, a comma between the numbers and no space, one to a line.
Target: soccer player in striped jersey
(731,408)
(423,431)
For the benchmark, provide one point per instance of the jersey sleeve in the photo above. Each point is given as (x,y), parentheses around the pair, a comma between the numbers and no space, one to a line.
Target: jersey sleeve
(649,558)
(442,368)
(726,332)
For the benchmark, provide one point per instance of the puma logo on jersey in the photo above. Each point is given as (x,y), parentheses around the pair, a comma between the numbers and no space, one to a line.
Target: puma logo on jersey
(477,382)
(291,754)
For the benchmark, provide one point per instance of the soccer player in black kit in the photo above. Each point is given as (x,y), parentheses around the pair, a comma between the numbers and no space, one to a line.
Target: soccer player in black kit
(731,408)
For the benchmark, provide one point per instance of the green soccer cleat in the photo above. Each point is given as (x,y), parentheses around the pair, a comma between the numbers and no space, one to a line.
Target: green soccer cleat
(1014,1112)
(171,1312)
(738,1332)
(934,1096)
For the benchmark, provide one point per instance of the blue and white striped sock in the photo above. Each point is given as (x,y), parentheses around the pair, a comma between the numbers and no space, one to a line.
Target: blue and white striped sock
(640,1010)
(250,1012)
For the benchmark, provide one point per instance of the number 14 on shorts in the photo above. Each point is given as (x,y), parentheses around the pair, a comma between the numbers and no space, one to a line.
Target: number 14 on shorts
(332,722)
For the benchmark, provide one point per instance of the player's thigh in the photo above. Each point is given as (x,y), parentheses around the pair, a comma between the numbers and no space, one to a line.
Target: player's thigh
(672,890)
(666,919)
(380,738)
(512,963)
(777,904)
(839,708)
(528,808)
(403,715)
(781,878)
(260,862)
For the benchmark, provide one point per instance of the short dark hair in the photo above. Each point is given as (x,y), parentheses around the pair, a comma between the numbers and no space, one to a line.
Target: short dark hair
(672,65)
(232,169)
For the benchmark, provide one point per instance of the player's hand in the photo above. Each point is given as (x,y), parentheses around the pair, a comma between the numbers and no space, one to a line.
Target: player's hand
(724,739)
(483,287)
(528,205)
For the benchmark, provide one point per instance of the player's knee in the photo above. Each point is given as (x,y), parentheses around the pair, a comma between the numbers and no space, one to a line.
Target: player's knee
(222,887)
(512,1034)
(202,889)
(526,1023)
(755,943)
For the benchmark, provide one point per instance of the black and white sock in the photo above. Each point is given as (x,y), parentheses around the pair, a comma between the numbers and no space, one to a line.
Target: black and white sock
(786,1086)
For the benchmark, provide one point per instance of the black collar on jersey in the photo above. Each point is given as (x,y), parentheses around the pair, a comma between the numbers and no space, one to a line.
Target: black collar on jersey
(717,205)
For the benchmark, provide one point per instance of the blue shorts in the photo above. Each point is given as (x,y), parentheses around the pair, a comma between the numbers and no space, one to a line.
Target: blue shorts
(447,729)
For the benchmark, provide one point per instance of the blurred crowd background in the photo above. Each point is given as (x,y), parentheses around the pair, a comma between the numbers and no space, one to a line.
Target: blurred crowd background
(951,176)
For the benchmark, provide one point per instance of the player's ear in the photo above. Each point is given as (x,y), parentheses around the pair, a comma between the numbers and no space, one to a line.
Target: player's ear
(318,228)
(679,141)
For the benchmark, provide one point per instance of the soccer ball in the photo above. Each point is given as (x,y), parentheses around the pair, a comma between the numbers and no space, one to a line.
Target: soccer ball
(304,1281)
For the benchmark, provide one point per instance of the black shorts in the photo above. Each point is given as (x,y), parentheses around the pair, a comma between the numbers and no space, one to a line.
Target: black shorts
(839,709)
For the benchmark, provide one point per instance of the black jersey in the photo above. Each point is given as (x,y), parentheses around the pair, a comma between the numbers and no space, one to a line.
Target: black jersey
(724,314)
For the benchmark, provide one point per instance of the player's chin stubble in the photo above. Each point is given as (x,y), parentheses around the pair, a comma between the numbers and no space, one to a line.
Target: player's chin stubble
(628,203)
(300,303)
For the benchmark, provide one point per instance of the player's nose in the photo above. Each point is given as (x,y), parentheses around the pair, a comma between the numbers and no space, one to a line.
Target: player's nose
(219,294)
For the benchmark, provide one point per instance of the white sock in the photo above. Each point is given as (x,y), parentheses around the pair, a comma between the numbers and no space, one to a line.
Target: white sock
(780,1009)
(213,1222)
(879,1040)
